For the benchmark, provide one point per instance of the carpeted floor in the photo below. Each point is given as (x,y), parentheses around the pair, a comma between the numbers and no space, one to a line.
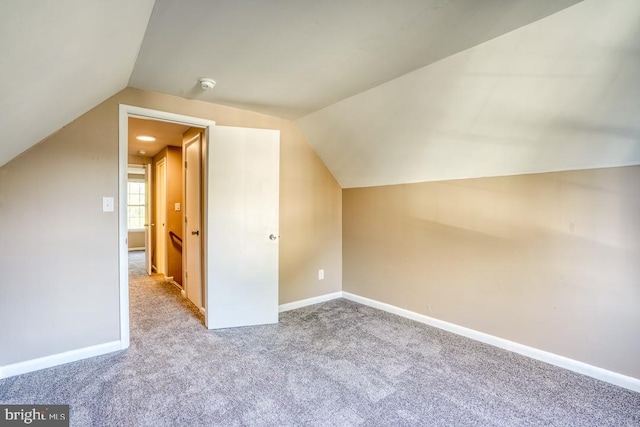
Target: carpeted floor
(336,363)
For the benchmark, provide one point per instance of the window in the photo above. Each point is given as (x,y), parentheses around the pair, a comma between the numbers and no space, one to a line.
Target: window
(136,208)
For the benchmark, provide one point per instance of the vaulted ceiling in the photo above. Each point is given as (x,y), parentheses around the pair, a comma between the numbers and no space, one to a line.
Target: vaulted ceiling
(562,93)
(60,58)
(290,58)
(386,91)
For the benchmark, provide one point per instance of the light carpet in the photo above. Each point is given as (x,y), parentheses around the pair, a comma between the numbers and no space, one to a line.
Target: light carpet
(332,364)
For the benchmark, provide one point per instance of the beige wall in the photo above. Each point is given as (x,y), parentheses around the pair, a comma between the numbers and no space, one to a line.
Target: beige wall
(173,156)
(135,239)
(551,260)
(59,280)
(138,160)
(59,273)
(310,198)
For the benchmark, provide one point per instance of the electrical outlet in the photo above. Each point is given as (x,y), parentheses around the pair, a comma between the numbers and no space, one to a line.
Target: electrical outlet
(321,274)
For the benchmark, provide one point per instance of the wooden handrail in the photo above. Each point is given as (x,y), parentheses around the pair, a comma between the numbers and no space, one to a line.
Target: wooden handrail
(175,236)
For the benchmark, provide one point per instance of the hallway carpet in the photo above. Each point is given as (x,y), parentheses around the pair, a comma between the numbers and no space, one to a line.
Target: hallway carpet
(332,364)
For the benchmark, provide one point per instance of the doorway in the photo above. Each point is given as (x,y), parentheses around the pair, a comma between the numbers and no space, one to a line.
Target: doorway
(158,156)
(157,146)
(239,226)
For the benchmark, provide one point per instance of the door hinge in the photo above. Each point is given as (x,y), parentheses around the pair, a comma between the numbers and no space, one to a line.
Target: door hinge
(185,165)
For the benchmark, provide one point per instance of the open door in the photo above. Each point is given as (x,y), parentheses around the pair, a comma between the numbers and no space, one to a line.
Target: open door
(240,222)
(242,227)
(147,219)
(161,217)
(192,223)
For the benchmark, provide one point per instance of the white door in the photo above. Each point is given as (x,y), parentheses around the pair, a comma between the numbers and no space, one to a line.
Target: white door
(161,217)
(193,229)
(147,218)
(242,227)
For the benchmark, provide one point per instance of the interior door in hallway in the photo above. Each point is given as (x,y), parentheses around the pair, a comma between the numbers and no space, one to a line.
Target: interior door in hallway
(193,229)
(242,227)
(147,219)
(161,217)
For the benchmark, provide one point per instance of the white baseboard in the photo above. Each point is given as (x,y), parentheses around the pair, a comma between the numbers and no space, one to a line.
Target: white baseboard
(58,359)
(308,301)
(183,292)
(534,353)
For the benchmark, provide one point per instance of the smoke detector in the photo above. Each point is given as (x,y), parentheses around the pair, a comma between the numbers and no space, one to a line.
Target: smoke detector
(207,84)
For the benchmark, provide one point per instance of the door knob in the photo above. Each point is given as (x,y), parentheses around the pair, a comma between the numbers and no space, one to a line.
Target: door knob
(273,237)
(195,233)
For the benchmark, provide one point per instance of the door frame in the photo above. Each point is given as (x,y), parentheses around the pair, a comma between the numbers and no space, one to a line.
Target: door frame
(126,111)
(160,214)
(147,219)
(185,232)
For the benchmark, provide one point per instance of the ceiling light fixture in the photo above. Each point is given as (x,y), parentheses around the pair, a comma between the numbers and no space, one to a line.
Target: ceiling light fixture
(145,138)
(142,152)
(207,84)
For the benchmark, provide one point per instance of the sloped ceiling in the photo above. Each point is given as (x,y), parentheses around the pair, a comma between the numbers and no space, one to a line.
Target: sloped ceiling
(59,59)
(561,93)
(289,58)
(386,91)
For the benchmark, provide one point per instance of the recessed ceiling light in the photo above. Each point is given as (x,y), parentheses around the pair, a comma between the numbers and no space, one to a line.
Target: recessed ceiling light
(145,138)
(142,152)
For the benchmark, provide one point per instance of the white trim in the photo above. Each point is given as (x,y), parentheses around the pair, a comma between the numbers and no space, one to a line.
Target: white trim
(59,359)
(160,217)
(124,112)
(199,136)
(534,353)
(308,301)
(193,138)
(123,258)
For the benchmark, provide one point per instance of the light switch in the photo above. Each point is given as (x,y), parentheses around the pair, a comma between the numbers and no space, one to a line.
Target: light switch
(107,204)
(177,206)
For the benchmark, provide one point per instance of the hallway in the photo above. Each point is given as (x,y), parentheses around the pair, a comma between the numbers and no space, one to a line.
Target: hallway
(152,300)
